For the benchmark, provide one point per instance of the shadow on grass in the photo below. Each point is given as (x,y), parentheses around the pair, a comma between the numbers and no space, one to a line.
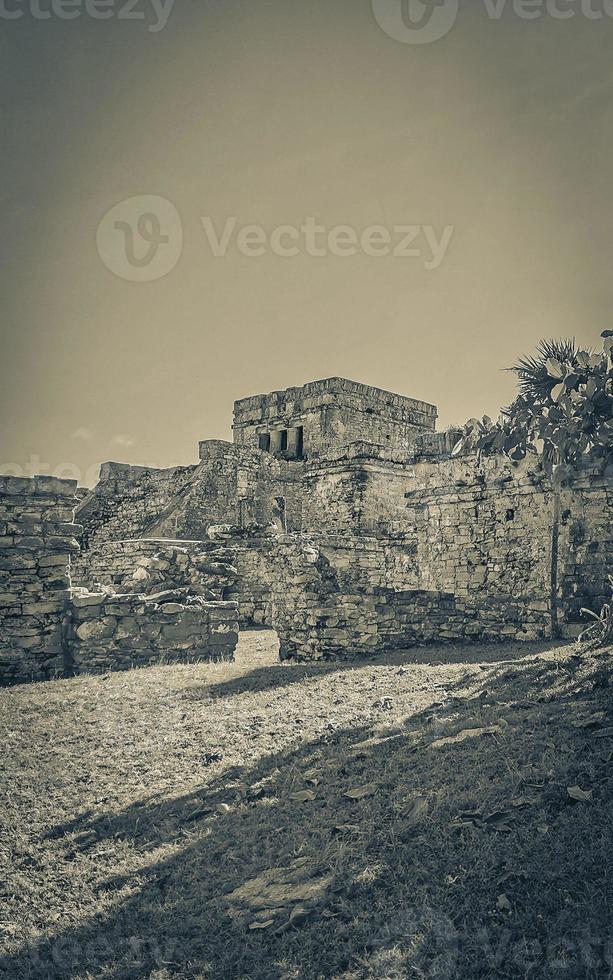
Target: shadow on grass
(269,677)
(432,896)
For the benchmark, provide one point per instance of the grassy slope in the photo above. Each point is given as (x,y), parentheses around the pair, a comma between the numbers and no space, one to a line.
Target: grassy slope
(136,802)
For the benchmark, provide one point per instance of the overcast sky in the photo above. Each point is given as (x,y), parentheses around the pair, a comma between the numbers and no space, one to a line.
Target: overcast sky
(493,143)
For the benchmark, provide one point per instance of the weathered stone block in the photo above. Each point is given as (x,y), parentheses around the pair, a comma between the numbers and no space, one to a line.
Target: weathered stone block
(86,601)
(53,561)
(44,608)
(97,629)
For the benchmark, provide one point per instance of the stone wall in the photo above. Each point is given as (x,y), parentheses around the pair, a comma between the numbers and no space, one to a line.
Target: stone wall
(148,565)
(128,500)
(37,538)
(254,551)
(337,515)
(359,487)
(157,602)
(119,632)
(254,587)
(348,596)
(587,546)
(175,609)
(469,527)
(331,413)
(233,486)
(483,533)
(241,488)
(228,486)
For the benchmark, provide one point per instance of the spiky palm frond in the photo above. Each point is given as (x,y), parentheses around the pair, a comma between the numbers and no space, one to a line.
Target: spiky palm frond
(534,379)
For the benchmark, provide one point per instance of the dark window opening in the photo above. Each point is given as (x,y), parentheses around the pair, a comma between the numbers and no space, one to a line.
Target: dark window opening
(283,443)
(264,441)
(300,442)
(510,514)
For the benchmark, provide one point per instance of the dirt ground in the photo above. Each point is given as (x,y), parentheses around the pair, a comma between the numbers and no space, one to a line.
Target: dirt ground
(440,813)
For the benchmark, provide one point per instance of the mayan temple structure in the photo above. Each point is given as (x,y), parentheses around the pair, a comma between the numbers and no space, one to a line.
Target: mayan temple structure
(338,516)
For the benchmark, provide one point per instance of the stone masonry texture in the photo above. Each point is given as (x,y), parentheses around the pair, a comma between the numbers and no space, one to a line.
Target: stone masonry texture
(338,516)
(37,539)
(156,601)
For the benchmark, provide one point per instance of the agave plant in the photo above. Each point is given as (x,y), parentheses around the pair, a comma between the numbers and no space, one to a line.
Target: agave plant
(600,633)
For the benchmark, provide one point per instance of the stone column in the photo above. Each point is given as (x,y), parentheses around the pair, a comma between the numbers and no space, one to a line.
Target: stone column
(292,442)
(275,441)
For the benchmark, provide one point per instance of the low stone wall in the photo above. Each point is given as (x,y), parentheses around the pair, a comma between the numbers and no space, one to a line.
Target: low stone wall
(147,565)
(163,601)
(253,588)
(479,529)
(48,630)
(336,597)
(120,632)
(37,538)
(586,547)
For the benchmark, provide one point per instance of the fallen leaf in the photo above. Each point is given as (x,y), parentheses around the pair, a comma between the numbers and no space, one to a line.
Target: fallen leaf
(591,721)
(261,925)
(361,792)
(603,733)
(467,818)
(299,915)
(459,824)
(417,811)
(499,819)
(580,795)
(503,903)
(522,801)
(347,828)
(304,796)
(464,735)
(276,891)
(386,704)
(364,749)
(198,815)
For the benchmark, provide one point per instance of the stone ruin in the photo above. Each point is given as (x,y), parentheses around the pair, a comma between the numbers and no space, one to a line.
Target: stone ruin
(337,516)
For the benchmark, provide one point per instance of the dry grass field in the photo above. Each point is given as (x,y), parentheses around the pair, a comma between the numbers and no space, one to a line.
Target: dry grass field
(446,813)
